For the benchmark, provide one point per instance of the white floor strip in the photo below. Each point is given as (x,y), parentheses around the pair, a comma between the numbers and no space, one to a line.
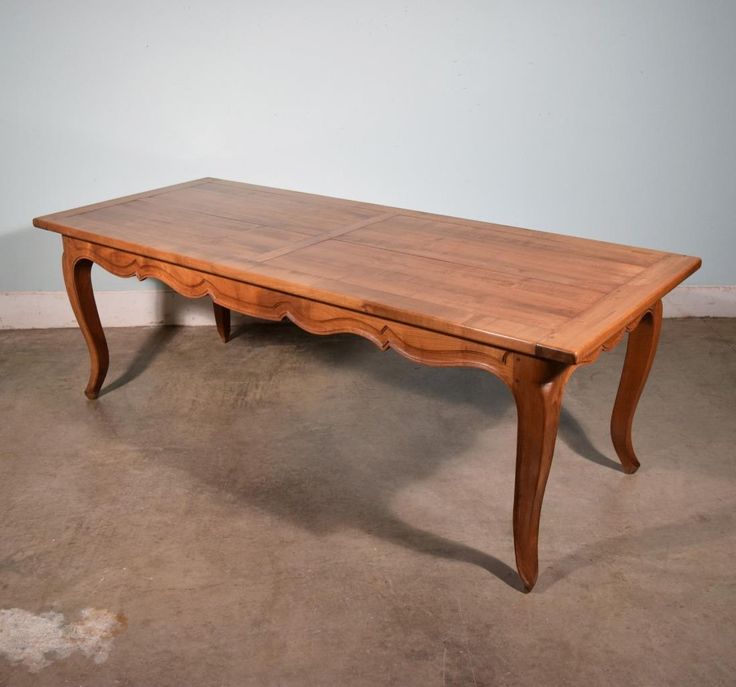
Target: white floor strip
(49,309)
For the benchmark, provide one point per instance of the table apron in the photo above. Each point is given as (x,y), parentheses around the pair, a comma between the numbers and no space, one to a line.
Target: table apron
(421,345)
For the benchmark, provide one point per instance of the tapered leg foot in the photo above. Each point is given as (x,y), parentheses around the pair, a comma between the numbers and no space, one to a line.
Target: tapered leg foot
(640,351)
(222,320)
(538,386)
(78,281)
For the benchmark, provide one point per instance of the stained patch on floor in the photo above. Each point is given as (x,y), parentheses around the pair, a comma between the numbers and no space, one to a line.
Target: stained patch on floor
(37,641)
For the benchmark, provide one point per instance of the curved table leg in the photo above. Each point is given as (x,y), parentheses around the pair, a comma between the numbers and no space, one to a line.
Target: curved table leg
(78,282)
(538,386)
(640,350)
(222,320)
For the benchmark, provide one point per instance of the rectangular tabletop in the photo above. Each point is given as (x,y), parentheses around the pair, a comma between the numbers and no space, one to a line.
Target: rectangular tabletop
(533,292)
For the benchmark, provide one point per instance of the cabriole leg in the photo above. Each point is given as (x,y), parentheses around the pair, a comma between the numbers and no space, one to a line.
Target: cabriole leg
(77,277)
(538,386)
(640,351)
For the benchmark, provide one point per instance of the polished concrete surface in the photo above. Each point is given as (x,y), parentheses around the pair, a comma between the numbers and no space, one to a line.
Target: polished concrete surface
(290,509)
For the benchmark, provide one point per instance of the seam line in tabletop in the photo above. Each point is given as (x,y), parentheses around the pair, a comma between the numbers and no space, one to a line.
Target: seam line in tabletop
(620,290)
(291,192)
(465,222)
(285,250)
(462,261)
(420,214)
(465,263)
(655,282)
(84,209)
(513,299)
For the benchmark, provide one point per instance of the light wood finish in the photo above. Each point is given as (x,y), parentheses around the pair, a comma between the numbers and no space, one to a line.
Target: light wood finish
(527,306)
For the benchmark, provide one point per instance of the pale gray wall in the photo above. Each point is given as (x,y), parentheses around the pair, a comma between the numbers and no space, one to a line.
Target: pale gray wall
(611,119)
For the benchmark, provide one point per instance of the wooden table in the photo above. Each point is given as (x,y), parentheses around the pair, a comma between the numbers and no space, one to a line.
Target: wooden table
(529,307)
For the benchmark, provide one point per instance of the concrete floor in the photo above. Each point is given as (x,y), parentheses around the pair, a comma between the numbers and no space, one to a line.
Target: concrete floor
(290,509)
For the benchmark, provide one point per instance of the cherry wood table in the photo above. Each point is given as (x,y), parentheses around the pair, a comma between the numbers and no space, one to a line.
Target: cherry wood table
(528,306)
